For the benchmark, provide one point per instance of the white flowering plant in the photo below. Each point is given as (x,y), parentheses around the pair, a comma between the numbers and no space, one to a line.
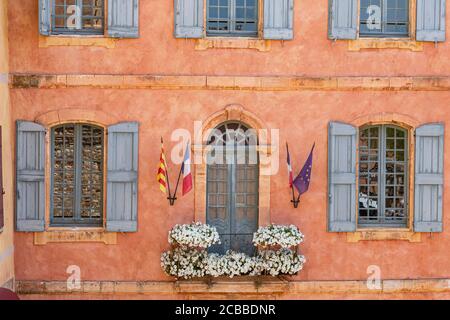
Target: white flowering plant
(184,263)
(189,258)
(278,235)
(194,235)
(231,264)
(280,262)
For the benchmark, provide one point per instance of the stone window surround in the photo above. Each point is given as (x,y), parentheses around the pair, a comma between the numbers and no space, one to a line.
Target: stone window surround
(80,40)
(232,112)
(408,43)
(72,234)
(409,123)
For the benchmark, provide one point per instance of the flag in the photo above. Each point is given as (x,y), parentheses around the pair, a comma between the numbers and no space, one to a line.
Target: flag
(291,177)
(186,170)
(303,179)
(161,177)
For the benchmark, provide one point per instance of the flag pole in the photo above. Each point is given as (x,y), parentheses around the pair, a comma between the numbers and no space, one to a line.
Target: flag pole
(172,200)
(168,180)
(294,201)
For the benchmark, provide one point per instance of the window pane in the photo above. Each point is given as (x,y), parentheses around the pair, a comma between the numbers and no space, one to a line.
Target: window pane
(232,17)
(78,16)
(77,173)
(385,18)
(64,170)
(382,181)
(218,16)
(368,168)
(395,197)
(92,172)
(370,10)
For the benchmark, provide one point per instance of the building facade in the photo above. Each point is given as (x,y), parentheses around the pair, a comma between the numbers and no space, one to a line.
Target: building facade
(94,85)
(6,162)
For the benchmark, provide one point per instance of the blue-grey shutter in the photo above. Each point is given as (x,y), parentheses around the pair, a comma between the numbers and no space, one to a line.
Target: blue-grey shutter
(342,177)
(44,17)
(122,177)
(342,20)
(430,20)
(429,178)
(123,18)
(30,173)
(189,18)
(278,19)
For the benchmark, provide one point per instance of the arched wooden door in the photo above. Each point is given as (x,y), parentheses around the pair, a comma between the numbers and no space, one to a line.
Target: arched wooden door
(232,186)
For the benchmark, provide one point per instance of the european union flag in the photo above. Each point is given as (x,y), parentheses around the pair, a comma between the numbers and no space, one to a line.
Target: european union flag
(301,182)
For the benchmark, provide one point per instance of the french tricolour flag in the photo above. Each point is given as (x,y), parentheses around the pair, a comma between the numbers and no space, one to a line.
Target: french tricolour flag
(186,169)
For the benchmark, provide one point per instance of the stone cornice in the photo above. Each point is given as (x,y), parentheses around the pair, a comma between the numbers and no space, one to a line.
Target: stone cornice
(204,82)
(230,286)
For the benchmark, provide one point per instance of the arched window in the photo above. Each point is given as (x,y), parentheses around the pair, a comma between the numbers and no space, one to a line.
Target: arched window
(77,158)
(232,186)
(383,176)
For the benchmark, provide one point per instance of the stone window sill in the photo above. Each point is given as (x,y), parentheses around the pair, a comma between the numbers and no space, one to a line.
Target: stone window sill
(381,43)
(68,41)
(232,43)
(59,235)
(385,234)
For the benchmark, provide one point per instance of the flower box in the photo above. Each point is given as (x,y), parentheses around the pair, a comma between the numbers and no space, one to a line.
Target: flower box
(188,259)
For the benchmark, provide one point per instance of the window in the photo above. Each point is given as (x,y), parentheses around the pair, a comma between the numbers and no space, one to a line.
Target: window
(232,187)
(77,175)
(384,18)
(383,176)
(78,16)
(232,17)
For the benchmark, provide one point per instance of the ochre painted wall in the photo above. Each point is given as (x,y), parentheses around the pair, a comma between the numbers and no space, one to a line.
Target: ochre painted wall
(301,116)
(6,237)
(158,52)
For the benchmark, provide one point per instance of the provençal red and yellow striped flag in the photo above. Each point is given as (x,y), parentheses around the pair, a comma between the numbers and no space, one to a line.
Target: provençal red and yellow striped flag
(161,177)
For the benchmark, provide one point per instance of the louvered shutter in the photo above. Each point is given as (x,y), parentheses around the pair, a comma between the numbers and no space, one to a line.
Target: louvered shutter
(122,177)
(343,16)
(429,178)
(278,19)
(123,18)
(30,172)
(189,18)
(430,20)
(342,177)
(44,17)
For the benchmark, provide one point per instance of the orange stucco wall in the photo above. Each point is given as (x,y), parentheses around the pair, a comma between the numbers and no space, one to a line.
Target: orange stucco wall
(6,235)
(301,116)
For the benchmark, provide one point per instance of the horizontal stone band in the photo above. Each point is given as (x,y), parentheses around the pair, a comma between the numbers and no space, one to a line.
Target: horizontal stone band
(30,81)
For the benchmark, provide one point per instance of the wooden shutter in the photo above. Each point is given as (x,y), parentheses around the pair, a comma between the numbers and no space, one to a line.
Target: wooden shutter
(278,19)
(44,17)
(30,172)
(430,20)
(189,18)
(122,177)
(123,18)
(2,216)
(343,16)
(429,178)
(342,177)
